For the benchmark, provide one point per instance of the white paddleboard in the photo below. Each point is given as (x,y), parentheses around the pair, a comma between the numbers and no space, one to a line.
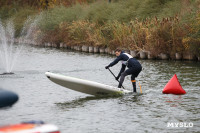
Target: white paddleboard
(84,86)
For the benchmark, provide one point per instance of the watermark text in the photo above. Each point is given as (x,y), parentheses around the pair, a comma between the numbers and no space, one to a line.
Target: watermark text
(180,124)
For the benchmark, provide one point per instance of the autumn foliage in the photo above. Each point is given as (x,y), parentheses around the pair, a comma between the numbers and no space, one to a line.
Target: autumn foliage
(158,26)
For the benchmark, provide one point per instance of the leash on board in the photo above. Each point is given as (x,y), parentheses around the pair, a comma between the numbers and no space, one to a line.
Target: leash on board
(115,77)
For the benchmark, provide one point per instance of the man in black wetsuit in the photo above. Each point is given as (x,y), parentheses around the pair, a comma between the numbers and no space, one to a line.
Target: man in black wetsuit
(134,67)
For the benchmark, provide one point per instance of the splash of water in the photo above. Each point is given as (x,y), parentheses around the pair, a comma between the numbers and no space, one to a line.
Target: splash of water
(9,52)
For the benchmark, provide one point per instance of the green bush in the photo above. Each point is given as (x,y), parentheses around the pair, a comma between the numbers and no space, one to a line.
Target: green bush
(52,18)
(102,11)
(153,25)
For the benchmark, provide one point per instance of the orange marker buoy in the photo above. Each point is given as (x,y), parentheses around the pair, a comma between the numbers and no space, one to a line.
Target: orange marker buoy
(173,87)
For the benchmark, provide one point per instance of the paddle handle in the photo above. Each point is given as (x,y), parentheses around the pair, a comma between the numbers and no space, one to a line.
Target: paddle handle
(115,77)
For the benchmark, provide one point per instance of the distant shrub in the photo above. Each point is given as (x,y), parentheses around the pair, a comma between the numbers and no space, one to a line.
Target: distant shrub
(191,41)
(158,26)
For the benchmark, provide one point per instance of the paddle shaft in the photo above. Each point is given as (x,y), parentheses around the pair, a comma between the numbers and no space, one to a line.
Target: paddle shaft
(115,77)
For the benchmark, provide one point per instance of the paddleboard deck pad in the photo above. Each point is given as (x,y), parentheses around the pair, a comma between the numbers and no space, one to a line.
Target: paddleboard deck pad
(85,86)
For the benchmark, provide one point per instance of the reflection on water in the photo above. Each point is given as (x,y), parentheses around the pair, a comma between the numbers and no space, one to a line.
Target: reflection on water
(81,101)
(173,100)
(41,99)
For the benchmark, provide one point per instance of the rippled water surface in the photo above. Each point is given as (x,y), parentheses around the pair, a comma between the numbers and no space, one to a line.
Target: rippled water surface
(41,99)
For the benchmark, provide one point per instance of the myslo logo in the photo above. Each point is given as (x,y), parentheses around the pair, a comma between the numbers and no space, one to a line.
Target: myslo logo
(180,124)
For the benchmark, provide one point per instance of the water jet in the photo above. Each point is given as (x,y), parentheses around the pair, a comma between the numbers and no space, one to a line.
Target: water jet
(9,52)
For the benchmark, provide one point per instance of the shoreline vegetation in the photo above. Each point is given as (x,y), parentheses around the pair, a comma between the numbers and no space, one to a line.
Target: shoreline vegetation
(149,29)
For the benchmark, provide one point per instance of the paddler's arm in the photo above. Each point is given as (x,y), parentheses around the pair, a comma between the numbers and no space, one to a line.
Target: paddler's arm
(114,62)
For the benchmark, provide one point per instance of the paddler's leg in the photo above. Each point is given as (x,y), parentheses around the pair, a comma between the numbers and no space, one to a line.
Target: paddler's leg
(133,83)
(123,75)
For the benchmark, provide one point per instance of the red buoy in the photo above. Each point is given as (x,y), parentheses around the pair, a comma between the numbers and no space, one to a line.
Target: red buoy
(173,87)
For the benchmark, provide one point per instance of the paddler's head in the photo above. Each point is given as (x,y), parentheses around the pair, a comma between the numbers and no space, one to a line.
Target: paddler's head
(118,52)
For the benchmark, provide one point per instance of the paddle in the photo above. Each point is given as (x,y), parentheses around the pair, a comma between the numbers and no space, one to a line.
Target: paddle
(115,77)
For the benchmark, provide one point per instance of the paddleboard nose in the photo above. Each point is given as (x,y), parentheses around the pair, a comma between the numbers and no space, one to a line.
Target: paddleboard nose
(48,74)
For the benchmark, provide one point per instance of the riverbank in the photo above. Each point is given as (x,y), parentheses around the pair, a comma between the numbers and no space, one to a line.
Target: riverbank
(154,30)
(99,50)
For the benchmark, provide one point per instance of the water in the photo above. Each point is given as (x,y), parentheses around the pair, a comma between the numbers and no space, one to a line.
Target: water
(41,99)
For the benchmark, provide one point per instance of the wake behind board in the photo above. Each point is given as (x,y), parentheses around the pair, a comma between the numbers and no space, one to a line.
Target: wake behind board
(84,86)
